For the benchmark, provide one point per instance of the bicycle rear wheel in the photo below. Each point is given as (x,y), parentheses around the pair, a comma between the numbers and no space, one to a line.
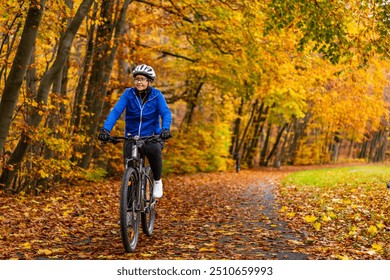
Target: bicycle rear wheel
(148,215)
(129,210)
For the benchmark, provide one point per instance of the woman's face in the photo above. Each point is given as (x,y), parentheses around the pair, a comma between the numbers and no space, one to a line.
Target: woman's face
(141,82)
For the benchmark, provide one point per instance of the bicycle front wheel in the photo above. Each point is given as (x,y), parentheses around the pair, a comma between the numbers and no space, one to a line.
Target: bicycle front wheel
(149,207)
(129,210)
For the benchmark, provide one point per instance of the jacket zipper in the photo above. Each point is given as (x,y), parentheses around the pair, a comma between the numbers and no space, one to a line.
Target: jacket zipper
(142,109)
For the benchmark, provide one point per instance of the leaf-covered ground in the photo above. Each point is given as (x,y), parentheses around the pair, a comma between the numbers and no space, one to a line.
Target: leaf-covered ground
(345,212)
(202,216)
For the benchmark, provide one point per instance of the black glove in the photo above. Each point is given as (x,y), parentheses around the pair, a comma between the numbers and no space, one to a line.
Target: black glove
(165,134)
(104,135)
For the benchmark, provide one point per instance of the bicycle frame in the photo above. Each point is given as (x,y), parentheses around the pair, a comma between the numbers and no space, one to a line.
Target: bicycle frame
(138,163)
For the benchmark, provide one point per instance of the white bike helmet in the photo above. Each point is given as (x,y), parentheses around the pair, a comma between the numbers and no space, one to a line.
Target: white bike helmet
(144,70)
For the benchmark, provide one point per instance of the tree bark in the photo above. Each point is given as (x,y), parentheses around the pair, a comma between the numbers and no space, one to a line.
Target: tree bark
(236,131)
(278,137)
(258,127)
(18,70)
(191,105)
(43,92)
(80,90)
(263,153)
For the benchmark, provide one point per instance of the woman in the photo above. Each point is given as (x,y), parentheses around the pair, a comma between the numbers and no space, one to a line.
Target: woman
(147,113)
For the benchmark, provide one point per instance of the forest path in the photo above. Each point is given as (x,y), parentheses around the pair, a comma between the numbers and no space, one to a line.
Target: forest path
(227,215)
(203,216)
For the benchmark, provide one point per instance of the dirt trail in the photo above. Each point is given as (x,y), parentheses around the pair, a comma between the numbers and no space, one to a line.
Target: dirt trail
(232,216)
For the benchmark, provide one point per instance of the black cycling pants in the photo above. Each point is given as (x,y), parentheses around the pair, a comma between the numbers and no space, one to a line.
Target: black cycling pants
(153,153)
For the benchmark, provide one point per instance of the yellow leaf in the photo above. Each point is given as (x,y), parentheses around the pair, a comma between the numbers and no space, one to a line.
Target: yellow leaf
(224,232)
(46,252)
(332,215)
(352,231)
(341,257)
(291,214)
(146,255)
(380,225)
(377,247)
(189,246)
(43,174)
(310,218)
(283,209)
(27,245)
(347,201)
(205,249)
(326,218)
(58,250)
(317,225)
(372,230)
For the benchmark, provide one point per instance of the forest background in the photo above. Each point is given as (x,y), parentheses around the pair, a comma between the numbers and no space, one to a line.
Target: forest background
(271,82)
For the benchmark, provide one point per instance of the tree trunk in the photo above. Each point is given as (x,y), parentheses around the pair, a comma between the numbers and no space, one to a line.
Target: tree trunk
(299,131)
(80,90)
(43,91)
(248,125)
(280,153)
(374,142)
(265,147)
(236,131)
(259,125)
(363,150)
(18,70)
(104,57)
(335,148)
(191,105)
(275,146)
(383,147)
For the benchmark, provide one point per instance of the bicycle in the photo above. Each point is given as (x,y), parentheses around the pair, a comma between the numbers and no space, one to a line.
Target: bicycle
(136,195)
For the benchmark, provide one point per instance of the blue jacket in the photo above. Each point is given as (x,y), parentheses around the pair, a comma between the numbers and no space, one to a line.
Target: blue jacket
(142,120)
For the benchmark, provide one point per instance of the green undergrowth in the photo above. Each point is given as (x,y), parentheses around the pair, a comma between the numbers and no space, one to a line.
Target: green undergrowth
(351,176)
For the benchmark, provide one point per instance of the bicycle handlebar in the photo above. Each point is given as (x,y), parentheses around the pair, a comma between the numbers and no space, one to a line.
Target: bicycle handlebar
(117,139)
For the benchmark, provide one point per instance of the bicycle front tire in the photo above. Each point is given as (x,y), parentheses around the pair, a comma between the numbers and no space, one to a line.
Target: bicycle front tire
(129,210)
(149,206)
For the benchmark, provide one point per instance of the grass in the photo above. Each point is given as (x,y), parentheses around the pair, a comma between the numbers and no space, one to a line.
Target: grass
(332,177)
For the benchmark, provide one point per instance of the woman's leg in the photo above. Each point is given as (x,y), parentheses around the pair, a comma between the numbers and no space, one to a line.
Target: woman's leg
(153,153)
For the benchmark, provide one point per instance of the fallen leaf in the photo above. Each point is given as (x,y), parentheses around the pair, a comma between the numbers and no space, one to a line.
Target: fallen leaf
(310,218)
(46,252)
(27,245)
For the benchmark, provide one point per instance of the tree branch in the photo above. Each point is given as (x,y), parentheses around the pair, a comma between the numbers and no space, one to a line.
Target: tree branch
(171,54)
(185,18)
